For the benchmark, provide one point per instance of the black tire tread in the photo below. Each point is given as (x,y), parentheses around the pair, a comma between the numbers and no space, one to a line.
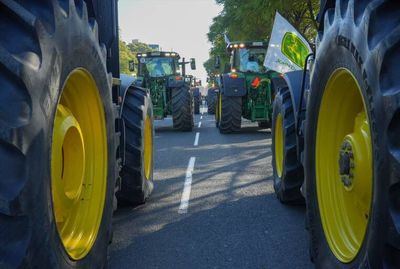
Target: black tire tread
(135,189)
(287,187)
(182,110)
(28,235)
(231,114)
(211,101)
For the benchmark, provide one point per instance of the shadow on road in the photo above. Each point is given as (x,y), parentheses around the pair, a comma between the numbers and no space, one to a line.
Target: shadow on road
(252,234)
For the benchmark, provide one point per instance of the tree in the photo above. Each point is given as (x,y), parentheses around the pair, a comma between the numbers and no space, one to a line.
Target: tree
(127,52)
(253,20)
(125,55)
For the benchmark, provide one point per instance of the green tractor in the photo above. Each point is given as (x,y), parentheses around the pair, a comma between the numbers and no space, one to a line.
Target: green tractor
(195,88)
(169,89)
(246,87)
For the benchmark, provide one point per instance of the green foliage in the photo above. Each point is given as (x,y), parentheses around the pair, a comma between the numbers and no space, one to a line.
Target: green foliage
(127,52)
(252,20)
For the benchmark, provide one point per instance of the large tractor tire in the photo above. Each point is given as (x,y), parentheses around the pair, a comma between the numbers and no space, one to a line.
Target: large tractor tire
(352,160)
(211,101)
(287,170)
(137,170)
(58,142)
(196,101)
(229,113)
(182,109)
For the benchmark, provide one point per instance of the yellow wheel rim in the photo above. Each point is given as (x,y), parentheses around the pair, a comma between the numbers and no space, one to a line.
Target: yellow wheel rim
(278,144)
(344,165)
(148,147)
(79,164)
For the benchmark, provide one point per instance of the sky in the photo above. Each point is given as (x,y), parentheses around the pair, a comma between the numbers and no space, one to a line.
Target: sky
(179,25)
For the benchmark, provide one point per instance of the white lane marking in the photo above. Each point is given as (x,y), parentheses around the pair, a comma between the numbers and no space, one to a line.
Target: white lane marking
(201,117)
(199,124)
(183,208)
(196,140)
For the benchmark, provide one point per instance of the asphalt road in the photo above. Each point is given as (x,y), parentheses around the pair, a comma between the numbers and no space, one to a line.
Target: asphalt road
(232,218)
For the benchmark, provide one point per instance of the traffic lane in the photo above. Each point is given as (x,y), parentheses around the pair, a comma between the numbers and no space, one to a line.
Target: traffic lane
(170,161)
(233,220)
(172,147)
(232,190)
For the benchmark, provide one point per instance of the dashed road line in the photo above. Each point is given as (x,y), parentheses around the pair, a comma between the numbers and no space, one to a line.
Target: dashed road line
(183,208)
(199,124)
(196,139)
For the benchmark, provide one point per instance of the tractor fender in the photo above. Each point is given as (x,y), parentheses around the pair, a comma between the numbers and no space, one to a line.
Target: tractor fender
(126,82)
(233,86)
(294,80)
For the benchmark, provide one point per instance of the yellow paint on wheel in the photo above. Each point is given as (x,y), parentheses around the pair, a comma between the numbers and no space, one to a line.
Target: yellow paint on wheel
(278,144)
(148,147)
(79,164)
(344,165)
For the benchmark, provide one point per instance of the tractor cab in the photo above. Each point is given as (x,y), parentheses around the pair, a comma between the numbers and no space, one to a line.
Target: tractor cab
(158,64)
(247,57)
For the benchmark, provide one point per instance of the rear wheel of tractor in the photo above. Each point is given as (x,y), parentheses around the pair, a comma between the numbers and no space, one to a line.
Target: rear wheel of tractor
(287,169)
(211,102)
(230,113)
(182,109)
(58,140)
(137,171)
(197,102)
(352,165)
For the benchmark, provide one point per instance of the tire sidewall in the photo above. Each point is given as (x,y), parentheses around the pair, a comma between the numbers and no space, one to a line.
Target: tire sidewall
(330,57)
(85,54)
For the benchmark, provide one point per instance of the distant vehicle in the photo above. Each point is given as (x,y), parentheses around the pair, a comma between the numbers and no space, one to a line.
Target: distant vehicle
(169,89)
(246,88)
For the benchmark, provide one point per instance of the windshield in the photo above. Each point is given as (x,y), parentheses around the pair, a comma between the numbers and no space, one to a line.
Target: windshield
(157,67)
(250,60)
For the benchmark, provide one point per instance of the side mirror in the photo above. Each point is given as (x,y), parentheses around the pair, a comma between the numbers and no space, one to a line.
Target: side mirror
(132,66)
(217,64)
(193,63)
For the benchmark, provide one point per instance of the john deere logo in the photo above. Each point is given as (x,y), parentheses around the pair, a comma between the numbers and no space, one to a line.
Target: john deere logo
(294,49)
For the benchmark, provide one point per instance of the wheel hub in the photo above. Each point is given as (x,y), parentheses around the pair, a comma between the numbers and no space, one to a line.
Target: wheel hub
(69,147)
(343,165)
(346,164)
(79,163)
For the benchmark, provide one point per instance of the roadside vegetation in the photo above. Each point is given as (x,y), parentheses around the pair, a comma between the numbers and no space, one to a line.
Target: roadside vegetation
(127,52)
(253,20)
